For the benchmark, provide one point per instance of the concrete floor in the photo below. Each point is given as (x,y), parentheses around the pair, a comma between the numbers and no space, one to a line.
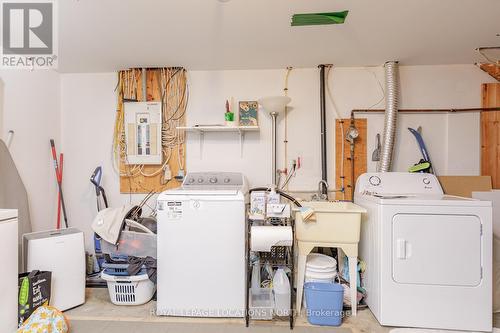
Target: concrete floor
(99,315)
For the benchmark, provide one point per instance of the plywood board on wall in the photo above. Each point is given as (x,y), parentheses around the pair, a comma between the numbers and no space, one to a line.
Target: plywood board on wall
(145,184)
(492,69)
(359,156)
(490,134)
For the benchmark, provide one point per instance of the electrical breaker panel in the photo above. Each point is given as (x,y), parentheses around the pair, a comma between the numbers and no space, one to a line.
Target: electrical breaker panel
(143,132)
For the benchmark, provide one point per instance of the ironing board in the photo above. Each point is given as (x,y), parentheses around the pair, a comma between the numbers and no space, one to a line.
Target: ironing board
(13,195)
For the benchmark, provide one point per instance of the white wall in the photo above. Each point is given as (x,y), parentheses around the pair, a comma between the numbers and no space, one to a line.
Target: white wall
(31,109)
(88,104)
(452,139)
(77,110)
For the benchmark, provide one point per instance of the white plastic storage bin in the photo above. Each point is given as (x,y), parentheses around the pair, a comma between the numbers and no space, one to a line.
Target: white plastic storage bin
(131,243)
(129,290)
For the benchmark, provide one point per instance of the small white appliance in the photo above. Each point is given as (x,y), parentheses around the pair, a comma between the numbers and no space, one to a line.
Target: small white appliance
(8,276)
(201,246)
(62,252)
(428,255)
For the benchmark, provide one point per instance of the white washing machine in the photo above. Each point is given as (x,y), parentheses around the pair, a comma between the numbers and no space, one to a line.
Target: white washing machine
(428,255)
(201,247)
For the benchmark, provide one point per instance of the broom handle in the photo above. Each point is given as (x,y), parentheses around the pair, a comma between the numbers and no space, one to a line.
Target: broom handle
(56,167)
(61,162)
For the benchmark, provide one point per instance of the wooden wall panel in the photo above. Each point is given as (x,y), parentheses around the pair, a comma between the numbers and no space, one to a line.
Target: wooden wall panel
(492,69)
(490,134)
(359,155)
(140,183)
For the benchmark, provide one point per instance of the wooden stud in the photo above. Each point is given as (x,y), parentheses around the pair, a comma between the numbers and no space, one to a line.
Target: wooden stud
(359,155)
(490,134)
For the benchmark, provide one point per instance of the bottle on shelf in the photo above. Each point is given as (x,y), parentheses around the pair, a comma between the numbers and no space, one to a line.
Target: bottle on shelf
(255,276)
(281,290)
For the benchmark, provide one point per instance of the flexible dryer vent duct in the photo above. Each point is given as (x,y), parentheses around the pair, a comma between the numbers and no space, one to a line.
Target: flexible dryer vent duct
(391,113)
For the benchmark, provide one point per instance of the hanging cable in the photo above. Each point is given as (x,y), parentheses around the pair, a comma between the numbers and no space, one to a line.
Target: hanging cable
(285,140)
(341,122)
(174,95)
(329,92)
(382,90)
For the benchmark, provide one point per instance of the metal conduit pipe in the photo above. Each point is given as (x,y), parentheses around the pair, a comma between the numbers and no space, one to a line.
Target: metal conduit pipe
(322,104)
(391,113)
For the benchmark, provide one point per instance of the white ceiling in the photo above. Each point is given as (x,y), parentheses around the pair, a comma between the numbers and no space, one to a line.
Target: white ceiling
(106,35)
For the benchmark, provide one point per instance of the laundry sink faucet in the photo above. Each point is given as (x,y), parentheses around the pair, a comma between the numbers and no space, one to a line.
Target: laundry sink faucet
(320,196)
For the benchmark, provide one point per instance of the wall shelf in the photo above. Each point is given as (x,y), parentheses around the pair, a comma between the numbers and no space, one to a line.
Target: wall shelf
(201,130)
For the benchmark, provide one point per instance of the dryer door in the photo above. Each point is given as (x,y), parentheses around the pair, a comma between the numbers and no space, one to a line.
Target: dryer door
(433,249)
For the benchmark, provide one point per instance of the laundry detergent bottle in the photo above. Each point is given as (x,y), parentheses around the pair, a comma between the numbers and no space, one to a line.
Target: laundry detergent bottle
(281,290)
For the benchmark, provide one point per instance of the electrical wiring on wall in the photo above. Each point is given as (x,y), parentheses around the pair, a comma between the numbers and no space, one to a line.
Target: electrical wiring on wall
(173,93)
(337,116)
(341,123)
(382,97)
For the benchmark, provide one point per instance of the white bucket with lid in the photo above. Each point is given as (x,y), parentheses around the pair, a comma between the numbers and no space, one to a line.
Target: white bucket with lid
(320,261)
(320,277)
(320,268)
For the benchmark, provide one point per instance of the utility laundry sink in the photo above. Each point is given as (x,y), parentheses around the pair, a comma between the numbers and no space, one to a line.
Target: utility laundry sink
(332,222)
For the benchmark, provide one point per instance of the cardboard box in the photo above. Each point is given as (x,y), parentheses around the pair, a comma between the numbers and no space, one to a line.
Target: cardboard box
(463,186)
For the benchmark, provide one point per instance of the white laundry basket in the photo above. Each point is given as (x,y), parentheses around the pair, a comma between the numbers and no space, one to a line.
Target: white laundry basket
(129,290)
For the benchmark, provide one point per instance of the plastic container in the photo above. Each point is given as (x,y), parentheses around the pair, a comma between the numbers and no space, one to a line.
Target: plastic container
(129,290)
(132,243)
(327,277)
(320,268)
(116,269)
(256,275)
(261,304)
(324,303)
(316,270)
(281,290)
(320,262)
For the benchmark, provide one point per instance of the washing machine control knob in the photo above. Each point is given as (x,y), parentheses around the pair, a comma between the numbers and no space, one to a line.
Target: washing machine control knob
(213,180)
(200,180)
(227,180)
(426,181)
(191,180)
(374,180)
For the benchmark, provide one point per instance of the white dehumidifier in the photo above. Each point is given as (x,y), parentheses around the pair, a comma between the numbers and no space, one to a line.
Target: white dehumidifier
(61,252)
